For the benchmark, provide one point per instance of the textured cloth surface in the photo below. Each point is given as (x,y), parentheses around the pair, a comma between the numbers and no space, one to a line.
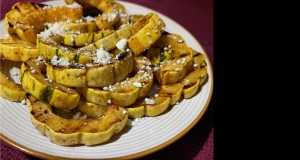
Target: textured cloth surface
(197,18)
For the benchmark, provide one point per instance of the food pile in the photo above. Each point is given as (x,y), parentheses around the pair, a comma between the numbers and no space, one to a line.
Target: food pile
(88,66)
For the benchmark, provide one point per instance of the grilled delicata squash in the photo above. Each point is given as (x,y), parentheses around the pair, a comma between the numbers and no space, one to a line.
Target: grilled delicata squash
(125,92)
(11,90)
(96,75)
(109,9)
(16,50)
(147,31)
(109,42)
(43,88)
(151,106)
(28,25)
(67,132)
(83,39)
(48,51)
(175,58)
(19,10)
(193,81)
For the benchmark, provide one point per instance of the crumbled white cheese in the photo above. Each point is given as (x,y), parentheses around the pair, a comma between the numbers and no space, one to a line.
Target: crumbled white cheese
(23,102)
(149,101)
(54,29)
(124,111)
(121,45)
(79,21)
(76,115)
(14,71)
(48,79)
(89,64)
(137,84)
(102,56)
(135,121)
(84,116)
(105,88)
(195,65)
(89,18)
(72,6)
(110,16)
(60,62)
(40,58)
(183,60)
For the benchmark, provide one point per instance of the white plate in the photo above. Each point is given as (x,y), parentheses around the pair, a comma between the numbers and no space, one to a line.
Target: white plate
(150,135)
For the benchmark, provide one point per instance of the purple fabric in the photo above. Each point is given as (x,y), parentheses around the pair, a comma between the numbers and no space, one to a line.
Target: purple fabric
(197,17)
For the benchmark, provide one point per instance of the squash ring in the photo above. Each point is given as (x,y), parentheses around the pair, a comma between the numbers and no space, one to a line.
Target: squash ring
(67,132)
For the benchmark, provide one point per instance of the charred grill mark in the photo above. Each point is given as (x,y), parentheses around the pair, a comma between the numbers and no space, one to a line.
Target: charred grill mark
(123,55)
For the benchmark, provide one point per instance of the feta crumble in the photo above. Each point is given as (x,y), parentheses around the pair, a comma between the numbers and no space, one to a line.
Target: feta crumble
(137,84)
(121,45)
(103,57)
(149,101)
(60,61)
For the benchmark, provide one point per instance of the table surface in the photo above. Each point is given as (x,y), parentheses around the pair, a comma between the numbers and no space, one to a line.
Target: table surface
(196,16)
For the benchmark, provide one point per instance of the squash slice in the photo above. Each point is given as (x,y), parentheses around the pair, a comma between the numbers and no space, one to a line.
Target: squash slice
(96,75)
(174,65)
(28,26)
(17,51)
(147,31)
(126,92)
(43,88)
(11,90)
(62,131)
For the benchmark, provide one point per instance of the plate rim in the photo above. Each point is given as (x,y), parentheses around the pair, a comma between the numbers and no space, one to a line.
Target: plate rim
(42,155)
